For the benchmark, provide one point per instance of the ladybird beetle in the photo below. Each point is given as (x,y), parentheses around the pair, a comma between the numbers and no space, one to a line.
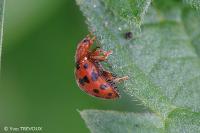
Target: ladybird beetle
(90,74)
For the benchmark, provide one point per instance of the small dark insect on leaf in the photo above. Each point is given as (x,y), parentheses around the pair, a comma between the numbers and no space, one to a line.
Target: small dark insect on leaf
(128,35)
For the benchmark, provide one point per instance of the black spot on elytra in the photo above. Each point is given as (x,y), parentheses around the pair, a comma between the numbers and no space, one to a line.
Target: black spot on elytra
(84,80)
(94,76)
(85,65)
(128,35)
(103,86)
(110,94)
(77,66)
(95,90)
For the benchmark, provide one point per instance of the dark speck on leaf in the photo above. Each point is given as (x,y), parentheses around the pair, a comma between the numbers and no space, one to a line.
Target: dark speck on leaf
(136,125)
(128,35)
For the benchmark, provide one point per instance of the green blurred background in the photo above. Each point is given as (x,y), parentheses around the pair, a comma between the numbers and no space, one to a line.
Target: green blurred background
(37,77)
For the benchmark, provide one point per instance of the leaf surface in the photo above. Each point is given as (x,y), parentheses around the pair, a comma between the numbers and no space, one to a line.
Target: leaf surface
(193,3)
(116,122)
(162,61)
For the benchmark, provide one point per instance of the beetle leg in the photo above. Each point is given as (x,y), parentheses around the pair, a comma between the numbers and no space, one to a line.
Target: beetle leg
(108,75)
(120,79)
(113,77)
(100,55)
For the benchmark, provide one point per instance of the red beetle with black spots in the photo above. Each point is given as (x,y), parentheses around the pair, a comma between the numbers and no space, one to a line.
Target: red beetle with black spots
(90,75)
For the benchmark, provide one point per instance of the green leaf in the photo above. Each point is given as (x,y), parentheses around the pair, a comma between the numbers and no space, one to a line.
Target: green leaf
(191,20)
(193,3)
(179,121)
(183,121)
(162,61)
(2,5)
(116,122)
(131,11)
